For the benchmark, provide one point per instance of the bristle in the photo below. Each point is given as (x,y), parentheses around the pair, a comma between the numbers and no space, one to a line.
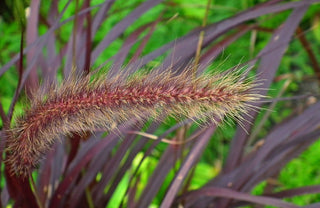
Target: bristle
(80,105)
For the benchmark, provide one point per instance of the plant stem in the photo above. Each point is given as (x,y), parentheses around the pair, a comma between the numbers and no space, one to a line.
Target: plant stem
(201,37)
(35,192)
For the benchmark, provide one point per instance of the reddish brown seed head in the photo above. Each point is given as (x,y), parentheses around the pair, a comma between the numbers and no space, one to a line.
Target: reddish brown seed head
(82,105)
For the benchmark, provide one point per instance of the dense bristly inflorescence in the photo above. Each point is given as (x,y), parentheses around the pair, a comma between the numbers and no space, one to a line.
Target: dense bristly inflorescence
(86,104)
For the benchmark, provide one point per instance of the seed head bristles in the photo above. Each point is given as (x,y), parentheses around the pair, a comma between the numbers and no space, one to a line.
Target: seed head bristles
(86,104)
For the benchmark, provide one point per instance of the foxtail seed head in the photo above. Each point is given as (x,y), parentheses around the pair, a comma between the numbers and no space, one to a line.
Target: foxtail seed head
(82,104)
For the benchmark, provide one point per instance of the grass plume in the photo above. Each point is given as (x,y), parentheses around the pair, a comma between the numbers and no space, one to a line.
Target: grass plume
(86,104)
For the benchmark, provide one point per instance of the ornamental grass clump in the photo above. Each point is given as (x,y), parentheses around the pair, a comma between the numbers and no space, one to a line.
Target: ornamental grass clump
(94,139)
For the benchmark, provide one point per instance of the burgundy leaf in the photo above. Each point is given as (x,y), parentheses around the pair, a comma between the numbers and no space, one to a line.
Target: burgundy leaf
(231,194)
(195,152)
(122,25)
(268,66)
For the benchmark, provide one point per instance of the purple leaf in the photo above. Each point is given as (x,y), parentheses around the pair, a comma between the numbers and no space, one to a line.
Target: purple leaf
(195,152)
(122,25)
(231,194)
(296,192)
(32,36)
(165,164)
(271,56)
(71,175)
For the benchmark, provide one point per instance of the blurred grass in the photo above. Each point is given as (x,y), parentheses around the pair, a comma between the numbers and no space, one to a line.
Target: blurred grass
(183,16)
